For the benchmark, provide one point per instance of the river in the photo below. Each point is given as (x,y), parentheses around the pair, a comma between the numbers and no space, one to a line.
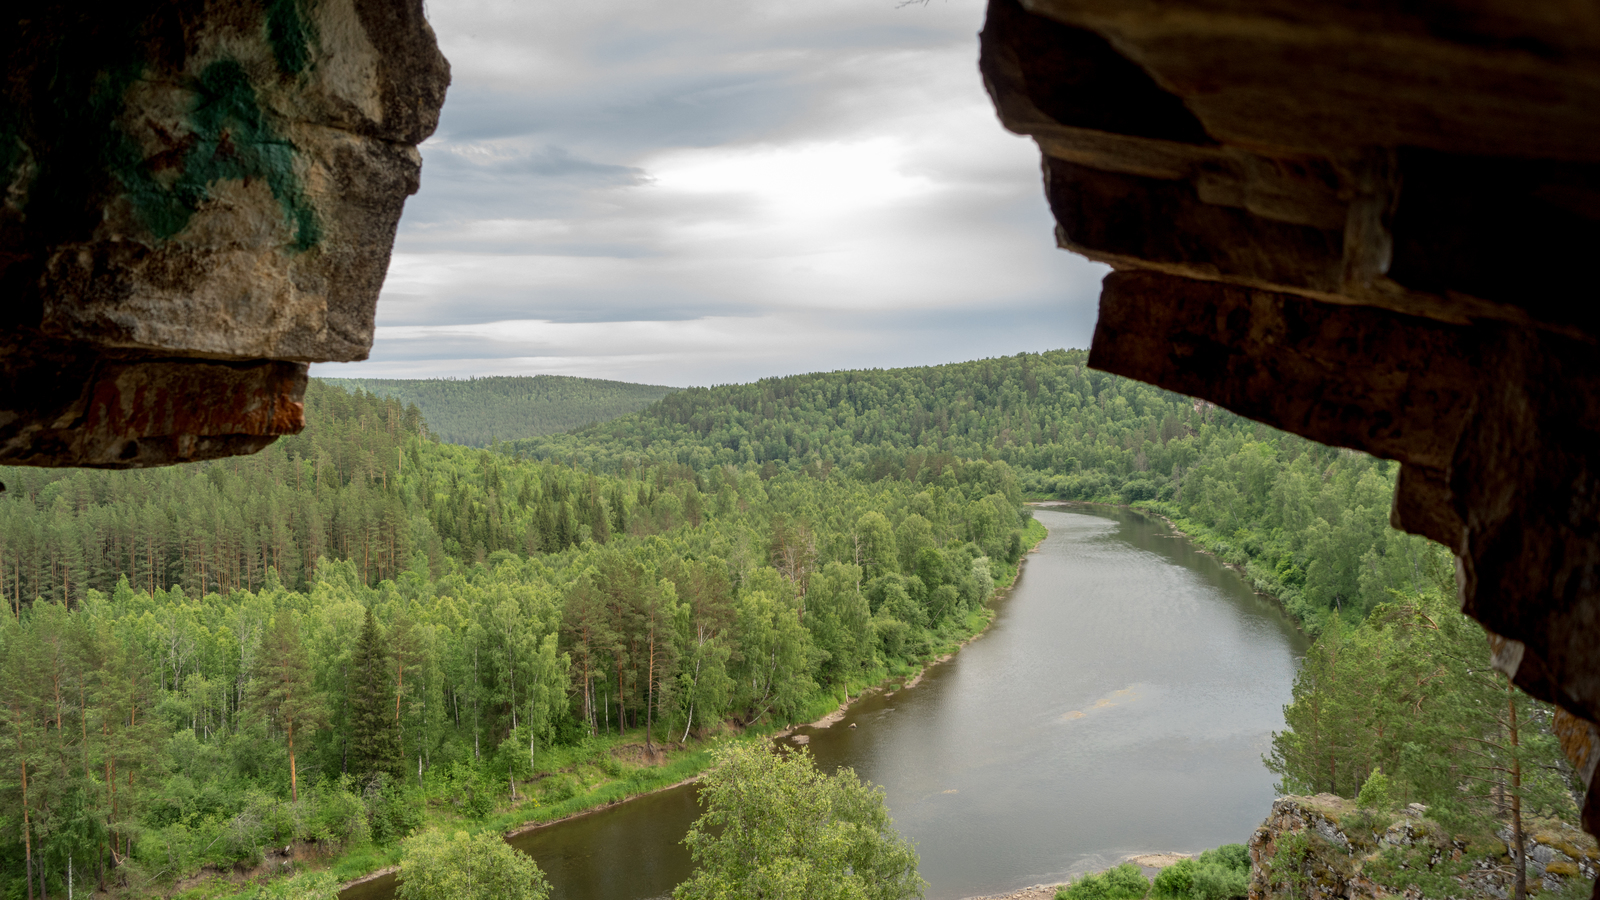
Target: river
(1119,704)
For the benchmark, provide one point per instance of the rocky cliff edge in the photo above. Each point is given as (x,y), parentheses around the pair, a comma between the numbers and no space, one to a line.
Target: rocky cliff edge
(1323,847)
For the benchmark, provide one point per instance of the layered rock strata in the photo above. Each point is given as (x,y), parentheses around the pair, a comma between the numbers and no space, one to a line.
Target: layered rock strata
(1365,223)
(197,198)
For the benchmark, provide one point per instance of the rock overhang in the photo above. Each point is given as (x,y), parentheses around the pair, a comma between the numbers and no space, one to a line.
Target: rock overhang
(199,199)
(1370,224)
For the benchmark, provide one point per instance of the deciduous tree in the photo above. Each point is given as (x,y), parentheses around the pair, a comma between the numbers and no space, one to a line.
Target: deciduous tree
(778,829)
(437,866)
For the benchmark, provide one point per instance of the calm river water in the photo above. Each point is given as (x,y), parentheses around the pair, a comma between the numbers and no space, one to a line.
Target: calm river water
(1120,704)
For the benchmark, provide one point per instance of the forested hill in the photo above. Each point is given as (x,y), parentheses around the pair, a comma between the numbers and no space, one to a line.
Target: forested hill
(1310,523)
(360,629)
(1025,409)
(478,411)
(1071,431)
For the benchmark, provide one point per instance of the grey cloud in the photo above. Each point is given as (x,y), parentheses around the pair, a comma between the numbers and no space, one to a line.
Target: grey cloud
(680,109)
(550,162)
(849,341)
(468,182)
(551,173)
(600,303)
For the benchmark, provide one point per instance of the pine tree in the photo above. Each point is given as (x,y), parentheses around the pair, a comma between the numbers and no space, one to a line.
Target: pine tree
(374,734)
(284,690)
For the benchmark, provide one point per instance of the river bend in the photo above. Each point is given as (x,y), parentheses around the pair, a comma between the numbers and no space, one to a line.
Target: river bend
(1120,703)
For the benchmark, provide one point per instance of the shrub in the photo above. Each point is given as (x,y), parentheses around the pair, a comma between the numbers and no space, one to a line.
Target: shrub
(1139,489)
(1286,868)
(1176,880)
(481,867)
(471,793)
(1218,874)
(304,886)
(1217,882)
(393,810)
(1221,873)
(1125,882)
(1376,792)
(337,815)
(891,635)
(776,827)
(1229,856)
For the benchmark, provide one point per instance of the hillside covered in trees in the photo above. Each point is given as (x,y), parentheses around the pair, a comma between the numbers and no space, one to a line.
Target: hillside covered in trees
(363,627)
(477,412)
(325,640)
(1310,523)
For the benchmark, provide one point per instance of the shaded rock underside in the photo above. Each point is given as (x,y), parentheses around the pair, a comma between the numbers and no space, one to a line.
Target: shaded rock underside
(1369,224)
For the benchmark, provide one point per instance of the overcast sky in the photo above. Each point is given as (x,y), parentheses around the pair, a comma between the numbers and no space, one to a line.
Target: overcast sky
(713,191)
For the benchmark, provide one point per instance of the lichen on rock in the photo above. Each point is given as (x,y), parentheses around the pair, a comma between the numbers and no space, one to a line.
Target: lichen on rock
(1324,847)
(204,181)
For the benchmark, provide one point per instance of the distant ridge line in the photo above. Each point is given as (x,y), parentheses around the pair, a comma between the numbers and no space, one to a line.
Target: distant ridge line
(477,411)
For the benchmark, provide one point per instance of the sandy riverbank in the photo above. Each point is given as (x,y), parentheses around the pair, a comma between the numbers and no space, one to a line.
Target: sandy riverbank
(1149,862)
(1037,892)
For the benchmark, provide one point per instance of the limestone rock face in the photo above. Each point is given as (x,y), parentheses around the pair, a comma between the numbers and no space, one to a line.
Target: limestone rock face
(1322,848)
(1370,224)
(191,183)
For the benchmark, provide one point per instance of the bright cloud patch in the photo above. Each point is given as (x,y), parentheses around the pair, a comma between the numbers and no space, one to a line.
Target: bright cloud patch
(720,190)
(798,186)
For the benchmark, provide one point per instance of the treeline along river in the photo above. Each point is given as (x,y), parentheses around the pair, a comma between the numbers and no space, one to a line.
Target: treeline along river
(1120,703)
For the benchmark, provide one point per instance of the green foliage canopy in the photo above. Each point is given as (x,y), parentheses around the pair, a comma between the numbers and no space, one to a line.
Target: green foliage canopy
(1309,522)
(776,828)
(237,647)
(1124,882)
(436,866)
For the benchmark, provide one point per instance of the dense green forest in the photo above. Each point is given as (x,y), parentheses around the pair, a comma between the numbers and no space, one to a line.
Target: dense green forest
(327,639)
(479,411)
(362,629)
(1310,523)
